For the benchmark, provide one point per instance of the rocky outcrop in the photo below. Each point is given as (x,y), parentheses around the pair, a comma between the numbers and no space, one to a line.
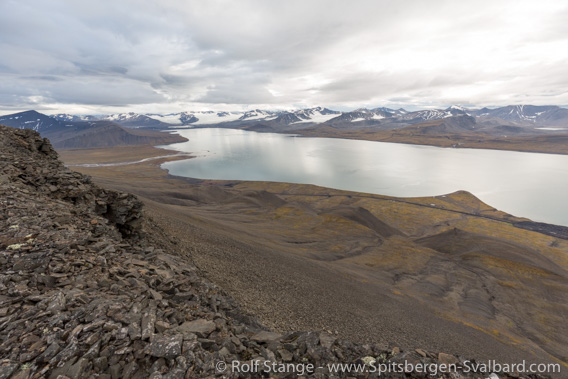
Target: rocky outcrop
(30,162)
(85,292)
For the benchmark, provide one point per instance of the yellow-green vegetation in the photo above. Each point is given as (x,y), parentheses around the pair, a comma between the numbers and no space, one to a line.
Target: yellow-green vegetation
(540,243)
(396,253)
(511,268)
(450,253)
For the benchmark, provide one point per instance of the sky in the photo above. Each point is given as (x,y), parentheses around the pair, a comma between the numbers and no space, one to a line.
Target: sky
(146,56)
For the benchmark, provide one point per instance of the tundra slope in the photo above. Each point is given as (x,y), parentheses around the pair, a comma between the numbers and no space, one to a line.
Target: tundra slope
(85,292)
(373,268)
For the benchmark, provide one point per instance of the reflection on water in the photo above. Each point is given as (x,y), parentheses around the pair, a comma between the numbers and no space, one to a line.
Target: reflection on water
(524,184)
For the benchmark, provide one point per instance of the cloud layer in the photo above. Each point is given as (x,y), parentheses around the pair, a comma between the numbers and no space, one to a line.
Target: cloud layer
(170,55)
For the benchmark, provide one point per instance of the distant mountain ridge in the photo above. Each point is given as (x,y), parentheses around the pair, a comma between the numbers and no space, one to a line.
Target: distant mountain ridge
(31,120)
(512,115)
(132,119)
(502,121)
(69,131)
(545,115)
(65,117)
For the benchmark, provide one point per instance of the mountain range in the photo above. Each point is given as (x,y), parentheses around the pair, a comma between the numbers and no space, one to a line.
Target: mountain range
(514,115)
(68,132)
(80,131)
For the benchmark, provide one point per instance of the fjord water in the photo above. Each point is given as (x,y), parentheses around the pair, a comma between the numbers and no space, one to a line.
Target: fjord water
(524,184)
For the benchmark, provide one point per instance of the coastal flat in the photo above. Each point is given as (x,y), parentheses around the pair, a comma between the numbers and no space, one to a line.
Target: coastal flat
(447,273)
(552,143)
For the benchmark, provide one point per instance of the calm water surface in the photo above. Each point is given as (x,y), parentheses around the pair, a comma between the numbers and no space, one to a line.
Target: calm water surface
(524,184)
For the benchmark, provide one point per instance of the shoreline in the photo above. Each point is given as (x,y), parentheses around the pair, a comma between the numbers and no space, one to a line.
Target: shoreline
(550,229)
(441,146)
(441,140)
(267,243)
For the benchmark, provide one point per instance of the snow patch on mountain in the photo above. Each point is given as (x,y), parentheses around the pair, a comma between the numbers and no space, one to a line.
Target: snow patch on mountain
(316,115)
(215,117)
(258,114)
(318,119)
(426,115)
(171,118)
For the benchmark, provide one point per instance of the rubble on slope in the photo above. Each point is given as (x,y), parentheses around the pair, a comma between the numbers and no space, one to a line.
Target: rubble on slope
(85,293)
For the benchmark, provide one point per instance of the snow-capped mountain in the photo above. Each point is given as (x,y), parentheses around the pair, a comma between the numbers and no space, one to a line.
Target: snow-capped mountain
(211,117)
(313,115)
(132,119)
(196,118)
(399,111)
(31,120)
(426,115)
(361,114)
(65,117)
(384,109)
(545,115)
(287,118)
(182,118)
(528,117)
(316,115)
(258,114)
(456,110)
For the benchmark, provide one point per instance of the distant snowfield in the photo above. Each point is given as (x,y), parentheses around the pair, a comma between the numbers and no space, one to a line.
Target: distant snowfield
(207,118)
(318,118)
(168,119)
(203,118)
(114,117)
(374,117)
(259,116)
(552,128)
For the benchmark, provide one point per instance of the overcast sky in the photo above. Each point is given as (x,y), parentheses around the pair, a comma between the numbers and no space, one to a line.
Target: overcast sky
(110,56)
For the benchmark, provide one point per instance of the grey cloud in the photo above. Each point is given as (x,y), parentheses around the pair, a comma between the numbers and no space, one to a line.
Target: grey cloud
(101,91)
(356,86)
(241,89)
(328,52)
(48,78)
(227,94)
(100,70)
(111,92)
(362,86)
(170,80)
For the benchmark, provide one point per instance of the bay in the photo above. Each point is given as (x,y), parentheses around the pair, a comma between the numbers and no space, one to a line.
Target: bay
(528,185)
